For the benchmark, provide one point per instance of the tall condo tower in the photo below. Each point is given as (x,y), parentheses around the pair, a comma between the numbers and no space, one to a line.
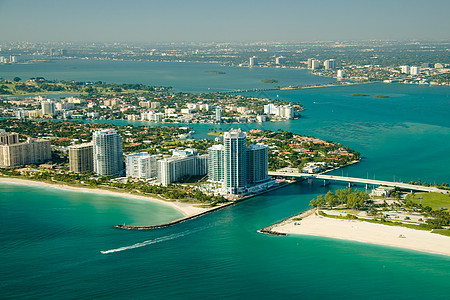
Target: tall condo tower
(215,163)
(218,114)
(257,163)
(235,161)
(253,61)
(108,157)
(81,158)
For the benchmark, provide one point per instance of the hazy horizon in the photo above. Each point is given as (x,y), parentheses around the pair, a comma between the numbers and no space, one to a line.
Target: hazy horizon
(214,21)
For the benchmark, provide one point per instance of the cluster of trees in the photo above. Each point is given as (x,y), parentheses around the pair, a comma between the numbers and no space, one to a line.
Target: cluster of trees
(351,198)
(439,217)
(40,84)
(444,185)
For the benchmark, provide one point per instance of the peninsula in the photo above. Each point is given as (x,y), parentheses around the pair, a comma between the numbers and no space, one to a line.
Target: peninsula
(417,221)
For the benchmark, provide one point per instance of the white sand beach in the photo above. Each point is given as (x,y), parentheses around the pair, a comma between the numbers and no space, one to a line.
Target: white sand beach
(186,209)
(365,232)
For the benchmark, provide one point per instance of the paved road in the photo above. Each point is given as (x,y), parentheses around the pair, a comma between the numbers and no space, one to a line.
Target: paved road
(360,180)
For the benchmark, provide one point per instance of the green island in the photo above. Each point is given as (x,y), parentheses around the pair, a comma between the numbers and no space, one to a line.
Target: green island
(215,72)
(269,81)
(423,211)
(360,95)
(380,96)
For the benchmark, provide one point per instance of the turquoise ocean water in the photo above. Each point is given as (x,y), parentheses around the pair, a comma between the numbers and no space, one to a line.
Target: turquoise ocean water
(51,241)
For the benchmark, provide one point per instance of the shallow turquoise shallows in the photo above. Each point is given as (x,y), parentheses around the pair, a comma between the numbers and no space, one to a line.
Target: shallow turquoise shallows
(51,242)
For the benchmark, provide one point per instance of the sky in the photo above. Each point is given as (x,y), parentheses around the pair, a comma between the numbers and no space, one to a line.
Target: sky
(227,20)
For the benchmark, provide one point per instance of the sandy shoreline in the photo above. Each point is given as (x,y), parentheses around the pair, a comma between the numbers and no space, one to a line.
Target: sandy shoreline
(186,209)
(366,232)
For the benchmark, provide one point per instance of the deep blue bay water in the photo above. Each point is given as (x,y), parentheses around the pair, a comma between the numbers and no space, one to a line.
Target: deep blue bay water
(50,240)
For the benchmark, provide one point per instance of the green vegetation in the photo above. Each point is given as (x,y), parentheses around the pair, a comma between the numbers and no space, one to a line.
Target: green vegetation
(381,96)
(292,150)
(360,95)
(351,198)
(383,222)
(436,201)
(442,231)
(443,186)
(358,201)
(40,85)
(215,72)
(215,133)
(269,81)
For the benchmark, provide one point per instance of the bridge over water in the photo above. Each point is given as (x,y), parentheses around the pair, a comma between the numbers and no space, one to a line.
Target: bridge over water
(401,185)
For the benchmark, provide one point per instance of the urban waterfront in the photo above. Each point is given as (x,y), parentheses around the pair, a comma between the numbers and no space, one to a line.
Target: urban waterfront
(51,238)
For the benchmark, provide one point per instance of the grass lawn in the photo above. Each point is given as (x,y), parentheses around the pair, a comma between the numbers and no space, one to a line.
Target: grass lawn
(433,200)
(442,231)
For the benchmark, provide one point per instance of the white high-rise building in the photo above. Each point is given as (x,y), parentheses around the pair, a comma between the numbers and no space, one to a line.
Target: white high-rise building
(48,108)
(315,64)
(286,112)
(414,71)
(182,163)
(235,161)
(13,153)
(405,69)
(141,165)
(329,64)
(280,60)
(340,74)
(253,61)
(108,157)
(215,163)
(218,114)
(240,169)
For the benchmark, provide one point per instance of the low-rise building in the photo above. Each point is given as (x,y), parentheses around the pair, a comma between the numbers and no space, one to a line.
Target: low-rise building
(382,191)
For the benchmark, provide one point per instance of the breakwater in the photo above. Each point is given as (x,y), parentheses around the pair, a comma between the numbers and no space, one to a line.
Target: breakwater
(168,224)
(268,230)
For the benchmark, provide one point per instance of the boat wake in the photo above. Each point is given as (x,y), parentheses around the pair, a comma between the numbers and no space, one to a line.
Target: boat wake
(154,241)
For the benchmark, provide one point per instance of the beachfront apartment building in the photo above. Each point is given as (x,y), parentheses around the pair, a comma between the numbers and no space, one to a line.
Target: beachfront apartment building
(8,138)
(235,161)
(181,164)
(32,151)
(257,163)
(238,168)
(81,158)
(215,163)
(141,165)
(107,151)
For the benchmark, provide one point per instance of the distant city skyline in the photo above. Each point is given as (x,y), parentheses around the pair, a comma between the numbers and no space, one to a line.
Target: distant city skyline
(234,21)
